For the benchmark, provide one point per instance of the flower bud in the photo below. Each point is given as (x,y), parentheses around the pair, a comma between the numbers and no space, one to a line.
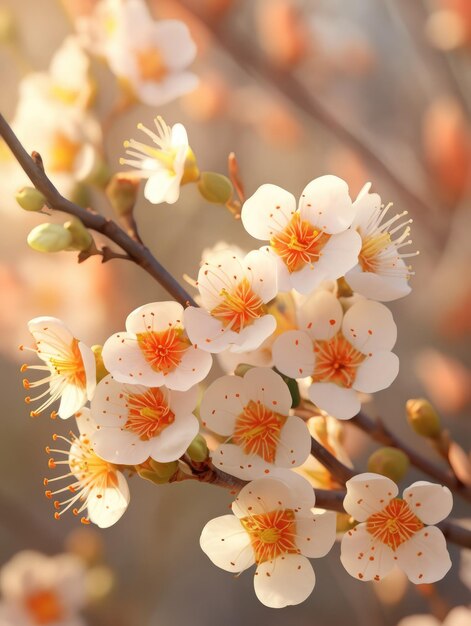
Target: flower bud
(198,449)
(101,370)
(49,238)
(389,462)
(215,187)
(122,191)
(81,237)
(423,418)
(158,473)
(30,199)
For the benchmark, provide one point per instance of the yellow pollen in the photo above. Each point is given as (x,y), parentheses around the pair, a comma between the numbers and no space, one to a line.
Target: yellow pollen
(299,243)
(64,151)
(151,65)
(394,524)
(257,430)
(272,534)
(372,246)
(336,361)
(148,414)
(163,350)
(240,307)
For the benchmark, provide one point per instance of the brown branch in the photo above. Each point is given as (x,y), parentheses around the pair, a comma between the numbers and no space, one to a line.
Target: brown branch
(340,471)
(136,251)
(379,432)
(246,55)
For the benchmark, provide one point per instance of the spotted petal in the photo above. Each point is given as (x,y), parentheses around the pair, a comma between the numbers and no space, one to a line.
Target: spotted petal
(225,541)
(368,493)
(363,556)
(430,502)
(424,557)
(267,211)
(287,580)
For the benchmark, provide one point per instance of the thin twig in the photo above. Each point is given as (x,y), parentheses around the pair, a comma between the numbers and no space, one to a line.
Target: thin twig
(340,471)
(378,431)
(245,54)
(136,251)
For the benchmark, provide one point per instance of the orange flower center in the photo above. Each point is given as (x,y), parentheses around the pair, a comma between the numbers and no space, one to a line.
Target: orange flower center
(151,65)
(44,607)
(257,430)
(299,243)
(64,151)
(336,361)
(148,414)
(239,308)
(371,247)
(70,365)
(272,534)
(163,350)
(394,524)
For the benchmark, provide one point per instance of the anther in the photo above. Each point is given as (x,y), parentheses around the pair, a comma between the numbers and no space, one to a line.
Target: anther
(24,367)
(48,494)
(51,464)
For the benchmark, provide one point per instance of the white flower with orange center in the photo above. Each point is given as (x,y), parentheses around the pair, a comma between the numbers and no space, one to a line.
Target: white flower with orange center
(150,56)
(253,414)
(89,483)
(155,350)
(274,527)
(39,590)
(395,531)
(136,422)
(167,165)
(343,353)
(312,243)
(382,272)
(234,292)
(69,367)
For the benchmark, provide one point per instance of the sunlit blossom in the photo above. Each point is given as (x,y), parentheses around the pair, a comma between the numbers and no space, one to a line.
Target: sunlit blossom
(234,292)
(136,422)
(252,413)
(155,349)
(273,527)
(311,243)
(91,488)
(39,590)
(165,166)
(69,367)
(342,353)
(395,531)
(382,272)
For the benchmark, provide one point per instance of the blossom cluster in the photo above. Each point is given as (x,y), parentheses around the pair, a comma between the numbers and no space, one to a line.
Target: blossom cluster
(304,309)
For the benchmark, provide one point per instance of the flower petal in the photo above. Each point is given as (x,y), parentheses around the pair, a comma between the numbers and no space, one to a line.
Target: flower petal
(192,369)
(264,385)
(369,326)
(106,506)
(320,315)
(155,317)
(261,496)
(120,446)
(172,442)
(338,401)
(424,557)
(252,337)
(325,202)
(73,399)
(267,211)
(376,372)
(315,535)
(294,445)
(293,354)
(368,493)
(160,187)
(363,556)
(124,359)
(339,254)
(287,580)
(365,206)
(225,541)
(173,39)
(378,286)
(232,459)
(222,402)
(261,271)
(430,502)
(222,274)
(206,331)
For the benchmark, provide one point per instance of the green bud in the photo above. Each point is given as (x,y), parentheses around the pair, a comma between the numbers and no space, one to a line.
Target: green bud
(30,199)
(198,449)
(122,192)
(49,238)
(99,175)
(81,195)
(293,388)
(81,237)
(215,187)
(101,370)
(158,473)
(423,418)
(389,462)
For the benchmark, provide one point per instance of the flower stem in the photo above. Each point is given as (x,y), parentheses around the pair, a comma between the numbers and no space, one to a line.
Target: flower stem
(136,251)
